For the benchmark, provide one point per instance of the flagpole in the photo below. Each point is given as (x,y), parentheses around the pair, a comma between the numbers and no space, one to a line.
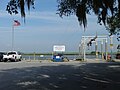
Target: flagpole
(13,34)
(15,23)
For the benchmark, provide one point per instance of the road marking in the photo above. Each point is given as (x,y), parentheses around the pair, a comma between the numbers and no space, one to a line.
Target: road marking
(93,79)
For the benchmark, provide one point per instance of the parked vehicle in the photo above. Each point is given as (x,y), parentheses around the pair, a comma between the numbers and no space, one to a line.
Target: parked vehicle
(108,57)
(1,56)
(118,53)
(58,57)
(118,56)
(12,56)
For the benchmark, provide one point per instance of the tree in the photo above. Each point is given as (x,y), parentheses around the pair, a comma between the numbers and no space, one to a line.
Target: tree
(103,9)
(14,5)
(113,25)
(107,11)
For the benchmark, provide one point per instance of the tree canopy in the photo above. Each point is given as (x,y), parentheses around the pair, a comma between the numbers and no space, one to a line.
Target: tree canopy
(101,8)
(107,11)
(113,24)
(15,5)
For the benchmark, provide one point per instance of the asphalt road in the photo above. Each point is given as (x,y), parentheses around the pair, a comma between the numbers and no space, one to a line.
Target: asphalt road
(59,76)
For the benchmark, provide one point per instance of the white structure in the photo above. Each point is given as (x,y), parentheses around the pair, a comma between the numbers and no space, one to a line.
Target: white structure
(88,40)
(59,48)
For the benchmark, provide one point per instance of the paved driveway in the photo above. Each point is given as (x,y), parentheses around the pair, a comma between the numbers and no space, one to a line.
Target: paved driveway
(59,76)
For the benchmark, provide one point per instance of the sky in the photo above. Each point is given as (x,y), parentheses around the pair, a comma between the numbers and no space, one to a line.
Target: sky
(44,29)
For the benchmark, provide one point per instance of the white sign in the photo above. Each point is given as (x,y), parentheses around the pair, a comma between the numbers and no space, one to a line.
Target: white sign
(59,48)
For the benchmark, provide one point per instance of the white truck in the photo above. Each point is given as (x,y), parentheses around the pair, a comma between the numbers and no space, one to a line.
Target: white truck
(12,56)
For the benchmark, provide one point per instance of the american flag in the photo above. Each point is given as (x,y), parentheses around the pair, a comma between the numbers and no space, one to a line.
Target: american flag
(16,23)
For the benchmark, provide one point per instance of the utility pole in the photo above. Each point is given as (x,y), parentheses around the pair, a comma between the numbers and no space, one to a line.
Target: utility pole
(84,47)
(96,49)
(102,56)
(106,54)
(111,45)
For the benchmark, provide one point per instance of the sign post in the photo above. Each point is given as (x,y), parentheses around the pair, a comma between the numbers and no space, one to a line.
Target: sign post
(59,48)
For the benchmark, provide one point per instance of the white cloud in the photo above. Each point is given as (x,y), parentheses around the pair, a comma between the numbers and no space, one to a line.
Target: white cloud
(50,16)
